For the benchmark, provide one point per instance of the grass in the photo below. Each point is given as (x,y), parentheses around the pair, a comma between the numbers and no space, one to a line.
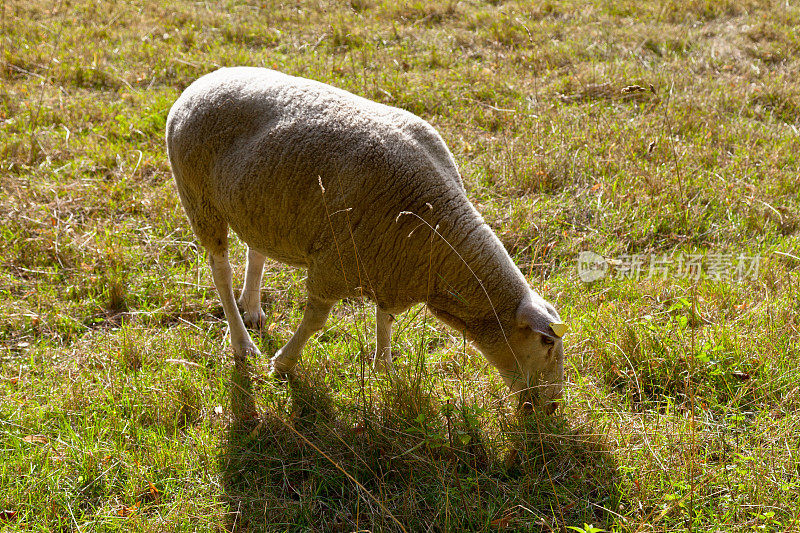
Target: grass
(681,411)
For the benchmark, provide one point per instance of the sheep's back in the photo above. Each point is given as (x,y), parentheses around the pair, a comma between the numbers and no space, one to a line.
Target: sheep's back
(262,146)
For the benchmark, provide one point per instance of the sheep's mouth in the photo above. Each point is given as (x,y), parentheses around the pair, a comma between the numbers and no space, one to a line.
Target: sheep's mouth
(530,401)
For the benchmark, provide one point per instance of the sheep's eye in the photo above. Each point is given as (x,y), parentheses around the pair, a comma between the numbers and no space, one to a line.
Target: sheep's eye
(547,341)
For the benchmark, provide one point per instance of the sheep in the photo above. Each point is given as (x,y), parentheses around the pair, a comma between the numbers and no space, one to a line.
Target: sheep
(366,197)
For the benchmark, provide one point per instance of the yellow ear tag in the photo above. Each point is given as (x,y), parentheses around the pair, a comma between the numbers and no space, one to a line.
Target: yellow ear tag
(559,329)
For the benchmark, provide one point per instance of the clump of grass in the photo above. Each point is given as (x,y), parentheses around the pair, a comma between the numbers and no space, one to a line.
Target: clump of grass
(131,355)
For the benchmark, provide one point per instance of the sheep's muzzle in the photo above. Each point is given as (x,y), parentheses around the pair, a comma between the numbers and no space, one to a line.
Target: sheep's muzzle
(529,401)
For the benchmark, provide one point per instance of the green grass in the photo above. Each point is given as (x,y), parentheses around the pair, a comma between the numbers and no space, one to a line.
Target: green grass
(681,411)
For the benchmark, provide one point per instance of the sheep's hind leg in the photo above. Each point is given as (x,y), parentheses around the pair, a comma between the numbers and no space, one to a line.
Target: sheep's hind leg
(383,341)
(250,299)
(223,280)
(314,318)
(242,402)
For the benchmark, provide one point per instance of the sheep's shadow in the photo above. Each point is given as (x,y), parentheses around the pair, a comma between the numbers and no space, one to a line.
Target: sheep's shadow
(407,458)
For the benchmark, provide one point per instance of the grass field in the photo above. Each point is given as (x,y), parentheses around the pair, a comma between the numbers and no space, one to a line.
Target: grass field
(663,132)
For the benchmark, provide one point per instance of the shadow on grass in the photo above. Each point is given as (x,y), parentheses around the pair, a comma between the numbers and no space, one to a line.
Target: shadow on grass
(410,462)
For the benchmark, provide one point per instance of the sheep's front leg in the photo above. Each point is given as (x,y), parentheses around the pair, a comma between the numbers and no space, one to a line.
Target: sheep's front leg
(383,340)
(314,318)
(223,281)
(250,299)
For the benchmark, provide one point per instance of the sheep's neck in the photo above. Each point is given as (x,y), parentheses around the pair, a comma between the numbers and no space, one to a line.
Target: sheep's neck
(477,281)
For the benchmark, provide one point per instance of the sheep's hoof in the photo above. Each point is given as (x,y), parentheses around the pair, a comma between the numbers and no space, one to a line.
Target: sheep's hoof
(280,370)
(246,349)
(255,320)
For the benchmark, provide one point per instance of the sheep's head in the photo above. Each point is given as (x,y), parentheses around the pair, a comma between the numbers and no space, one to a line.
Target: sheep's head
(529,354)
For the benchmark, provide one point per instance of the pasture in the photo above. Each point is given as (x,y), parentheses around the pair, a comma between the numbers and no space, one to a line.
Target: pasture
(663,136)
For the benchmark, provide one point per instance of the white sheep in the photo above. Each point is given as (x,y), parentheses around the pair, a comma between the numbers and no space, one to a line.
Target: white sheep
(369,199)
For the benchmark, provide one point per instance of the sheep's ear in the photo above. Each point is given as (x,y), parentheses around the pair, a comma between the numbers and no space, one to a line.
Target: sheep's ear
(529,316)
